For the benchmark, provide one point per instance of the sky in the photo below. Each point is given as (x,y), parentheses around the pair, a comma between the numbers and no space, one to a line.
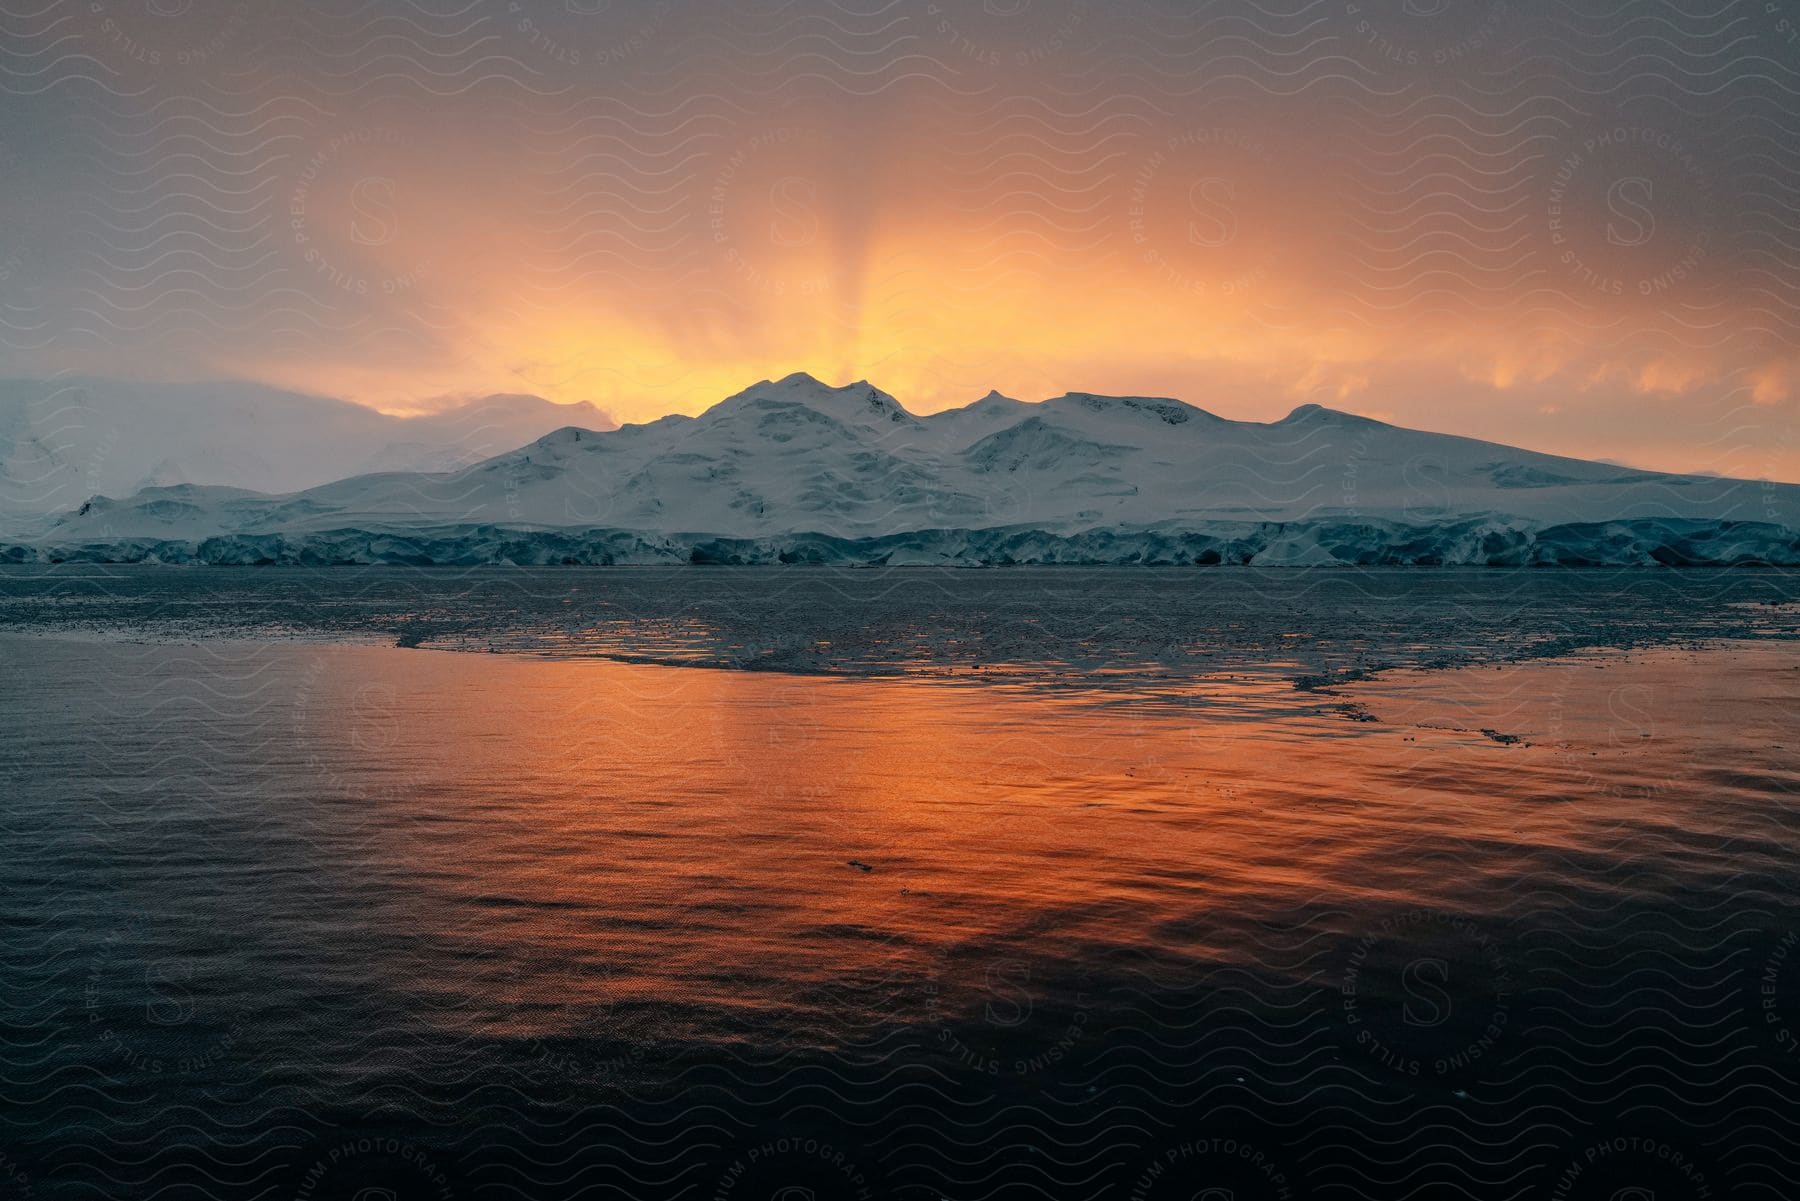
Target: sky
(1570,226)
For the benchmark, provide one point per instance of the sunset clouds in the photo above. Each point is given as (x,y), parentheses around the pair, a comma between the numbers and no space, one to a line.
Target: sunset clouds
(1572,229)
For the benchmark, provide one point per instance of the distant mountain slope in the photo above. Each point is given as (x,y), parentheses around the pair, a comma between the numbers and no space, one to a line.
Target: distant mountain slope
(797,456)
(64,441)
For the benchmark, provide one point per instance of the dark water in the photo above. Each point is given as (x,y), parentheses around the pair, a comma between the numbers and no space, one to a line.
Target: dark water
(1138,918)
(1086,628)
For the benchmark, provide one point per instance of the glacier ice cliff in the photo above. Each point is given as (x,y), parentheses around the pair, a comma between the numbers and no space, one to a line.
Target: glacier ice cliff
(1319,543)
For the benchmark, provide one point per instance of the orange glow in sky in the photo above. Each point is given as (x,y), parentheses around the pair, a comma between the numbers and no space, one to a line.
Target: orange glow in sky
(648,210)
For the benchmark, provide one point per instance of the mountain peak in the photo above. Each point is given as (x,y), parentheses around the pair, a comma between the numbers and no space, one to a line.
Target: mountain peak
(1159,408)
(1319,414)
(860,401)
(567,435)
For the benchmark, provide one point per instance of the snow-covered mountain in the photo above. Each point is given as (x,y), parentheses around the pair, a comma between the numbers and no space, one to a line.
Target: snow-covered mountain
(64,441)
(798,469)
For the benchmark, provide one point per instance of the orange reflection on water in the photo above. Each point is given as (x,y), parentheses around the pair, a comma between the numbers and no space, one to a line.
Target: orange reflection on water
(677,846)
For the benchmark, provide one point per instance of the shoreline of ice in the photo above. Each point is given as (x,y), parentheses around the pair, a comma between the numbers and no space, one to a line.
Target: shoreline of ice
(1490,541)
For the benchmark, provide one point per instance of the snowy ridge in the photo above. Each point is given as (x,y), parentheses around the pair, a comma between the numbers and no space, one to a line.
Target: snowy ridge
(795,470)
